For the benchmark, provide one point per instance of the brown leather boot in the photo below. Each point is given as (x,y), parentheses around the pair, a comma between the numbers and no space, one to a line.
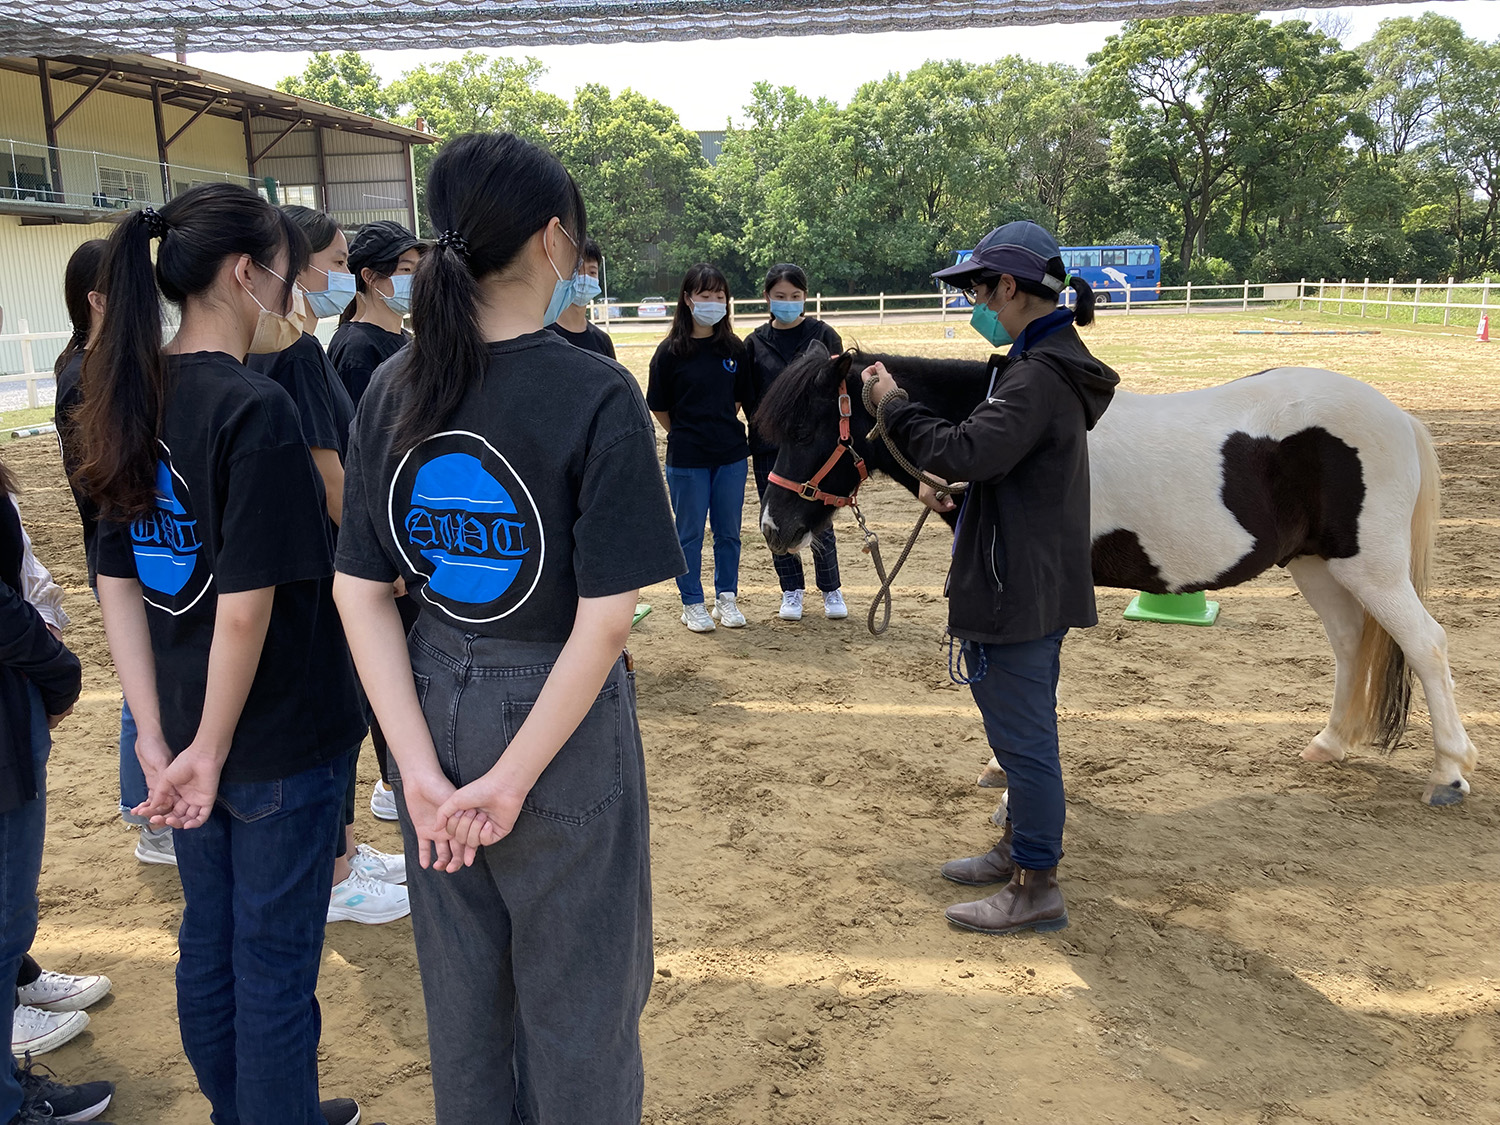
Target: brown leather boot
(1031,900)
(995,866)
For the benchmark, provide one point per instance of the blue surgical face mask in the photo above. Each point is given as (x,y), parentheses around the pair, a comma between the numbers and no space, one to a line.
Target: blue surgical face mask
(986,321)
(709,313)
(335,297)
(399,301)
(585,288)
(787,311)
(562,291)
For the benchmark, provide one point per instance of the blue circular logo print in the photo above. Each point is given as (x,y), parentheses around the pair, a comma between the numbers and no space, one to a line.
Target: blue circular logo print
(169,559)
(465,520)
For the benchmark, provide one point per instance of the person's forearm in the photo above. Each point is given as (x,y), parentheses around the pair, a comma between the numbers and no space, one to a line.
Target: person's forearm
(240,624)
(664,418)
(129,636)
(331,469)
(377,640)
(600,631)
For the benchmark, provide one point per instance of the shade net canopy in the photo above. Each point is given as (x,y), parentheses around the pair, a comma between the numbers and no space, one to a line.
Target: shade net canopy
(51,27)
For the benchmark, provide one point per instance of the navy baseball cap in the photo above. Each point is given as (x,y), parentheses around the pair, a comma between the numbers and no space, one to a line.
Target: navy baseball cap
(1021,249)
(382,241)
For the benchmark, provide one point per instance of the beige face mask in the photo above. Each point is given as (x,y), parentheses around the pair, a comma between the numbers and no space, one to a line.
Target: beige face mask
(273,331)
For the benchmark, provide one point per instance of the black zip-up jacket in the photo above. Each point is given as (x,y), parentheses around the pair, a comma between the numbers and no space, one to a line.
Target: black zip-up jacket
(1021,553)
(770,350)
(27,652)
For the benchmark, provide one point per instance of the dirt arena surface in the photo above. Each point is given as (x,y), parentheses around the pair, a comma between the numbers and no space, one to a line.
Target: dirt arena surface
(1254,939)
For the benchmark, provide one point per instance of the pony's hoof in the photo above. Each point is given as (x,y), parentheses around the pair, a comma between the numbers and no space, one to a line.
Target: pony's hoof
(1450,794)
(992,776)
(1002,812)
(1320,751)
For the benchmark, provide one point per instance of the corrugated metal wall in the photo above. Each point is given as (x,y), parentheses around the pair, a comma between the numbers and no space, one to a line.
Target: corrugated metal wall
(32,262)
(369,178)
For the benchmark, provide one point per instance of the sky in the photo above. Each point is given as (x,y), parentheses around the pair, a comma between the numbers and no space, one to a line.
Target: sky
(708,82)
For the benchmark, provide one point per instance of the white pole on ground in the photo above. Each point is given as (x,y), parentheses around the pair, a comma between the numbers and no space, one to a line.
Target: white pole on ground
(1416,300)
(1390,296)
(1129,289)
(1364,298)
(882,306)
(1484,298)
(1245,300)
(1343,284)
(1302,294)
(1188,302)
(1448,303)
(819,301)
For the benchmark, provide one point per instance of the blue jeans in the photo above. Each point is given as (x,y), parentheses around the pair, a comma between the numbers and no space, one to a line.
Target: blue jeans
(132,778)
(256,879)
(22,831)
(717,494)
(825,549)
(1017,696)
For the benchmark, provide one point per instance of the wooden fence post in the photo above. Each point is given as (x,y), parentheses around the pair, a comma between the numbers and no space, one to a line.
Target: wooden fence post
(1302,294)
(1245,301)
(1390,296)
(1416,300)
(1322,282)
(1343,284)
(1364,298)
(1448,303)
(1188,301)
(882,306)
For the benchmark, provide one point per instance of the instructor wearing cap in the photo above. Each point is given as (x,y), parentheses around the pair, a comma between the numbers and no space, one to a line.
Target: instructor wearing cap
(381,258)
(1021,574)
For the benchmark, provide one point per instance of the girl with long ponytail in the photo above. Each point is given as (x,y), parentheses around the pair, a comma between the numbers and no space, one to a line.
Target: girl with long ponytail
(214,577)
(511,481)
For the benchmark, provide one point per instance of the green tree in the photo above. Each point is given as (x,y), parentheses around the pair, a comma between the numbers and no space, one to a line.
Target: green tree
(344,80)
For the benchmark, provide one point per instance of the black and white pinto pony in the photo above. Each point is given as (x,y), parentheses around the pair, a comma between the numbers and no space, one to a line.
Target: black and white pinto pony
(1201,490)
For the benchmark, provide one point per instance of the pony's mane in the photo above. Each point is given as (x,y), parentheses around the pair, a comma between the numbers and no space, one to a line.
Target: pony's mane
(787,401)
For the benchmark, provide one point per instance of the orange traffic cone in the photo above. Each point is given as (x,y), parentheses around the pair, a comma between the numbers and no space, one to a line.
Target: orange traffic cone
(1483,334)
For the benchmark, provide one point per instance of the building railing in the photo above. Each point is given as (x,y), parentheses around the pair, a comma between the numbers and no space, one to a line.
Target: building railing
(42,176)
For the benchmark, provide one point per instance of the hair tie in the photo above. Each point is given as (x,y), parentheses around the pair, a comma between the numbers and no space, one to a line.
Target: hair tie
(156,226)
(451,238)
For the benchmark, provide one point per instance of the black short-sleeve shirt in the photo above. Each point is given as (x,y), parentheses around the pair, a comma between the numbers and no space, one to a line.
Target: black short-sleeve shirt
(699,390)
(357,349)
(306,373)
(69,398)
(541,488)
(591,339)
(240,507)
(770,350)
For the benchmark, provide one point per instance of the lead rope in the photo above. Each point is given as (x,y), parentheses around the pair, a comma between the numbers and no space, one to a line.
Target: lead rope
(882,600)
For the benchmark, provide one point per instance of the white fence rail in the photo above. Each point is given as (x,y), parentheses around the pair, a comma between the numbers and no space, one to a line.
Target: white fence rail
(30,374)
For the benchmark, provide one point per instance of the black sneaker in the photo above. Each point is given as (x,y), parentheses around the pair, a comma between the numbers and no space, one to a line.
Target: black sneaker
(48,1100)
(340,1111)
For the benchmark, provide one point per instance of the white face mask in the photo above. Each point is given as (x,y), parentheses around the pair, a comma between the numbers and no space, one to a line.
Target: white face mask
(274,332)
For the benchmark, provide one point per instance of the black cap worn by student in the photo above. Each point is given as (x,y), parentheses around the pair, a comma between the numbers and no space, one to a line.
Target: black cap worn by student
(1022,249)
(383,241)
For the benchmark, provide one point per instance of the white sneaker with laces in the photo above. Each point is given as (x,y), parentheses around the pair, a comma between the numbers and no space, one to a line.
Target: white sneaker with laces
(383,802)
(791,605)
(833,605)
(155,846)
(60,992)
(380,866)
(696,618)
(727,610)
(39,1032)
(362,899)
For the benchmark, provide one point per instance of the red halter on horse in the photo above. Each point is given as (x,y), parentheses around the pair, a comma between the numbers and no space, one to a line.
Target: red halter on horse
(809,489)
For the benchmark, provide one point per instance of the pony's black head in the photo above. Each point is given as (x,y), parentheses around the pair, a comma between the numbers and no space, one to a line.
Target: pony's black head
(800,416)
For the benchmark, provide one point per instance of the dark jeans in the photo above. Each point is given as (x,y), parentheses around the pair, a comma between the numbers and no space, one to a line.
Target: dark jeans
(256,879)
(22,831)
(718,495)
(1018,698)
(825,550)
(536,961)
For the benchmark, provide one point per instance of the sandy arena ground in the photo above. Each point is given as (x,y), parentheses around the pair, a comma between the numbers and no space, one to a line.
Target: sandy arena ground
(1254,939)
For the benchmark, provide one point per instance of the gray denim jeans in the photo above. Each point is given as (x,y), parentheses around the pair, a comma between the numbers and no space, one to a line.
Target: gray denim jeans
(536,961)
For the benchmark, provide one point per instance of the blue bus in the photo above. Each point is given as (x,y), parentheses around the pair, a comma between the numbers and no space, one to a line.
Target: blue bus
(1109,269)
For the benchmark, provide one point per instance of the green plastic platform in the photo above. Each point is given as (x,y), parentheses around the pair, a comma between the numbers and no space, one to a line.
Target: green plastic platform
(1173,609)
(642,611)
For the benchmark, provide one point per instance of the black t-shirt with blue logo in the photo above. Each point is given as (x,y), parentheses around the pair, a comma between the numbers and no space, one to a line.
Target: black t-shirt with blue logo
(699,390)
(306,373)
(541,488)
(240,507)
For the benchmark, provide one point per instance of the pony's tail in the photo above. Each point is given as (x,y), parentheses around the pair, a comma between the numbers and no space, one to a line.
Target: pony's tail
(1382,695)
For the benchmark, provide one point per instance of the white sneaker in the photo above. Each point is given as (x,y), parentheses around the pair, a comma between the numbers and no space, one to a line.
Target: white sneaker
(833,605)
(362,899)
(39,1032)
(696,618)
(728,612)
(383,802)
(59,992)
(155,846)
(791,605)
(380,866)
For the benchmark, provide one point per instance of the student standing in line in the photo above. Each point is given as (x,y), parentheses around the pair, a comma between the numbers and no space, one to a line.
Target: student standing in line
(366,882)
(572,324)
(370,331)
(86,311)
(786,335)
(698,385)
(214,567)
(512,481)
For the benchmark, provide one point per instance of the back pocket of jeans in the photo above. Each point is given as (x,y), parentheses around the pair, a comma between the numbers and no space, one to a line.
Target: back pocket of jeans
(584,778)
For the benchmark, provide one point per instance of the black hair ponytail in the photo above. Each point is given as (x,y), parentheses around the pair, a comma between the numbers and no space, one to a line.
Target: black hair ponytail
(79,279)
(1083,308)
(125,374)
(488,194)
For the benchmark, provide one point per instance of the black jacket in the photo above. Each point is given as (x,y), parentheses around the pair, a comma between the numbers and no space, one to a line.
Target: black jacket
(769,350)
(1021,553)
(27,652)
